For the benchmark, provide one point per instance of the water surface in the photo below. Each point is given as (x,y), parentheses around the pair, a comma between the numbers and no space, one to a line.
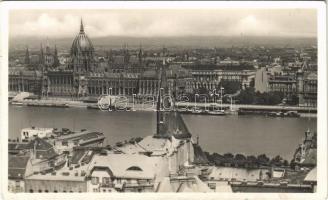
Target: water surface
(221,134)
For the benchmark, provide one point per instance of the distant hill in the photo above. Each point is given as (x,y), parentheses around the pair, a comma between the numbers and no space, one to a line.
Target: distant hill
(169,42)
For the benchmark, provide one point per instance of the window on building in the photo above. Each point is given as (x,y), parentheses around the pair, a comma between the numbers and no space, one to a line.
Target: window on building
(134,168)
(46,191)
(94,180)
(31,191)
(105,180)
(55,191)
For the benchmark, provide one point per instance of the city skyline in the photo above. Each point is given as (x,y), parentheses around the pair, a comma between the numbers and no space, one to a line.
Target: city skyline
(172,100)
(159,23)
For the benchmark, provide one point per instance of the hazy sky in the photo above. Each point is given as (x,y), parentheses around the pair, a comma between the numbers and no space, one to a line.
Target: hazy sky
(147,23)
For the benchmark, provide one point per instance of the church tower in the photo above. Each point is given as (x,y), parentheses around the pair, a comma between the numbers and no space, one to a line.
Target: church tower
(41,56)
(56,60)
(27,56)
(140,56)
(48,57)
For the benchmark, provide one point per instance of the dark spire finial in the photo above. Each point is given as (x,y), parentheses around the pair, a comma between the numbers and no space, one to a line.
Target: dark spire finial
(81,27)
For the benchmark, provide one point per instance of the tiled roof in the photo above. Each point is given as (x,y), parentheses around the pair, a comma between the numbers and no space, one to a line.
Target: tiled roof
(312,175)
(17,146)
(193,185)
(40,144)
(43,149)
(236,173)
(17,161)
(173,125)
(14,173)
(17,166)
(77,155)
(200,157)
(119,164)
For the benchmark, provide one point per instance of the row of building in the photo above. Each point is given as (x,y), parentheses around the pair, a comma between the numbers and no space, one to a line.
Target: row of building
(52,160)
(83,74)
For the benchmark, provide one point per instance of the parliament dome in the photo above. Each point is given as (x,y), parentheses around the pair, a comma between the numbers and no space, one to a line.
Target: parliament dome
(81,44)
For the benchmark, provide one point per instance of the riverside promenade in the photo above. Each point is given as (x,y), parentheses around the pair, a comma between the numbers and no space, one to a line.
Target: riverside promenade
(248,106)
(151,106)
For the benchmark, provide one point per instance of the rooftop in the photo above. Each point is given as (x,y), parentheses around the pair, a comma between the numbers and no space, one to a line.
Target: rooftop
(57,177)
(17,166)
(120,164)
(43,149)
(311,176)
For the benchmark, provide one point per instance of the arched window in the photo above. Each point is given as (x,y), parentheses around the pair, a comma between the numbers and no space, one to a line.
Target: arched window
(55,191)
(46,191)
(31,191)
(40,191)
(134,168)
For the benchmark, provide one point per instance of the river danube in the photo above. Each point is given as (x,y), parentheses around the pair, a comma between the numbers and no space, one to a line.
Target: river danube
(221,134)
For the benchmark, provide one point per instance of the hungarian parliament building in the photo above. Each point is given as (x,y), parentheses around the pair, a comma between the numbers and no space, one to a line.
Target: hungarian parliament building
(86,75)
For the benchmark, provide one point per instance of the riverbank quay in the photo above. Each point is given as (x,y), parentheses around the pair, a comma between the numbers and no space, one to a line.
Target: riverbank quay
(247,106)
(68,103)
(151,106)
(251,109)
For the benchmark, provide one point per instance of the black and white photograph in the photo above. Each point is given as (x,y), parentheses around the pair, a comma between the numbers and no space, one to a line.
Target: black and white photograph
(164,100)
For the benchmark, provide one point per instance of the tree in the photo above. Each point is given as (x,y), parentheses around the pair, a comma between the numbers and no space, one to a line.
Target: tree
(275,98)
(263,159)
(228,155)
(230,87)
(268,98)
(138,139)
(251,161)
(286,163)
(240,159)
(292,164)
(247,96)
(277,161)
(218,159)
(209,157)
(294,100)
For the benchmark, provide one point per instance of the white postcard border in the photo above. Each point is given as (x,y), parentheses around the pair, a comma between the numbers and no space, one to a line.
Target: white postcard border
(322,94)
